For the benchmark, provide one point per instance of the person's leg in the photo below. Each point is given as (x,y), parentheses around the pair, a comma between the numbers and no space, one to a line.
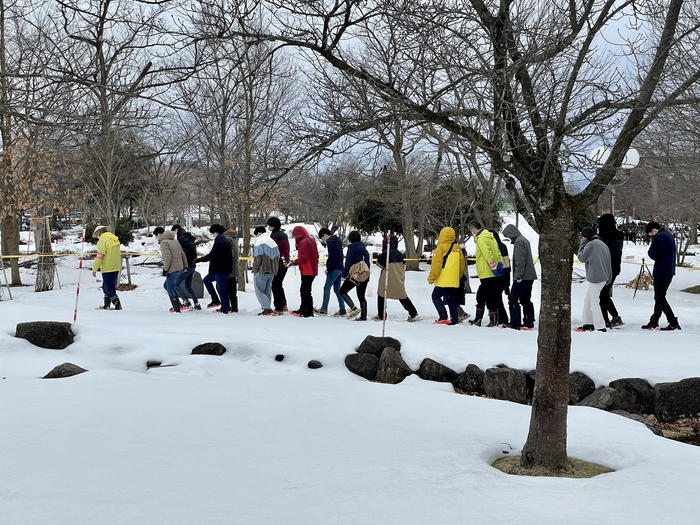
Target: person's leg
(208,284)
(344,292)
(380,307)
(307,300)
(221,280)
(259,285)
(594,298)
(492,293)
(586,313)
(187,284)
(451,298)
(502,313)
(268,290)
(408,306)
(361,290)
(337,281)
(109,287)
(480,304)
(513,304)
(660,292)
(327,291)
(278,291)
(437,296)
(232,291)
(526,302)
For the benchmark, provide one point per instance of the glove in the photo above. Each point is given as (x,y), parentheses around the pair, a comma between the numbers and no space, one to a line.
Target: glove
(287,263)
(165,273)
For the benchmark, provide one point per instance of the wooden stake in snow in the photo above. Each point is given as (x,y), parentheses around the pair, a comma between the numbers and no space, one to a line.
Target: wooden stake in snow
(386,280)
(7,283)
(80,271)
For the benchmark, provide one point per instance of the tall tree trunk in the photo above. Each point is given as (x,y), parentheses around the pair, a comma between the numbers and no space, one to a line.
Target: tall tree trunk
(245,234)
(693,238)
(407,224)
(546,441)
(10,245)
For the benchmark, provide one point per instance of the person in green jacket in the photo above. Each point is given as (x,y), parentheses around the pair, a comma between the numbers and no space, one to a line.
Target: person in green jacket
(489,264)
(109,262)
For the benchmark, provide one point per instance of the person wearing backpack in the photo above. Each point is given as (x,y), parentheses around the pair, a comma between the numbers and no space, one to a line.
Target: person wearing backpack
(356,275)
(396,280)
(446,269)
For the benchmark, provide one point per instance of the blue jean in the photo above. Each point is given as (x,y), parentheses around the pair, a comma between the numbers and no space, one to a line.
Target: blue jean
(333,280)
(109,283)
(189,276)
(446,295)
(263,288)
(172,282)
(221,280)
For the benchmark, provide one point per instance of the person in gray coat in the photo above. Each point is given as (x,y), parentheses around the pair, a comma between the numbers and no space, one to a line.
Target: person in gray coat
(524,274)
(596,256)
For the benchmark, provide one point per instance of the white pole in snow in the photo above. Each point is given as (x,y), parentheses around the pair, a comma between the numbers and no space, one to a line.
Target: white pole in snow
(80,271)
(386,280)
(7,283)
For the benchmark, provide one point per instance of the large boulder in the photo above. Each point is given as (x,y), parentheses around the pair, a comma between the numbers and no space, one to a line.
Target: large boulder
(64,370)
(392,368)
(604,398)
(365,365)
(506,383)
(209,349)
(433,371)
(673,401)
(470,381)
(644,421)
(580,387)
(376,345)
(637,395)
(46,334)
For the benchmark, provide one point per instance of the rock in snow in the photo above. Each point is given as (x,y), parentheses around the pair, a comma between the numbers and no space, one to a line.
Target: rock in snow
(314,365)
(46,334)
(392,368)
(580,387)
(376,345)
(505,383)
(604,398)
(673,401)
(433,371)
(365,365)
(637,395)
(65,370)
(470,381)
(209,349)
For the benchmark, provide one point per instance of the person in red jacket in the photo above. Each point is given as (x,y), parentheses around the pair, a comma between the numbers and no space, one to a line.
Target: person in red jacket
(307,261)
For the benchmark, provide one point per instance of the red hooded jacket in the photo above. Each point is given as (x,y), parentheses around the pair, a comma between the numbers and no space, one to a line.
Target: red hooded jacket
(307,253)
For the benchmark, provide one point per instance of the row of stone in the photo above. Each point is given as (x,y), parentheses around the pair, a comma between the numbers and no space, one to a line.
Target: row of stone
(379,359)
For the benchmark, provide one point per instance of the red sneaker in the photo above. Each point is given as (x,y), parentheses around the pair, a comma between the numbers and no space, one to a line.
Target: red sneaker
(443,321)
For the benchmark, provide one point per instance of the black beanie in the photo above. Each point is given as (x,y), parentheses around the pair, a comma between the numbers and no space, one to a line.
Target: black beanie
(274,222)
(216,228)
(653,225)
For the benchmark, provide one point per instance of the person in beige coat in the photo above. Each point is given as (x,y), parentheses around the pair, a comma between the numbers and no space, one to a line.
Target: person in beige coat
(397,280)
(174,264)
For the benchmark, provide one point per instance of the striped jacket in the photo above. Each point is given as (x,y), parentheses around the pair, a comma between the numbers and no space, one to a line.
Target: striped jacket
(266,255)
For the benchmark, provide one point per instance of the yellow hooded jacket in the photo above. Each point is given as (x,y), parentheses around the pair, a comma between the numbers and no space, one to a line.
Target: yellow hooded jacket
(487,254)
(109,256)
(449,276)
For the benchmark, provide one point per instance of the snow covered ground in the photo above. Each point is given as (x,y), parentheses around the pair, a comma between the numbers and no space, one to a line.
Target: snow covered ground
(242,438)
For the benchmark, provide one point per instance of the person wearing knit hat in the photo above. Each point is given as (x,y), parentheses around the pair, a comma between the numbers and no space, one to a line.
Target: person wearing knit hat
(663,252)
(109,262)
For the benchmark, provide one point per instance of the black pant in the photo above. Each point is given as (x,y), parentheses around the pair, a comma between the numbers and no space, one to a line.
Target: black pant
(406,303)
(661,285)
(279,299)
(521,292)
(307,301)
(606,303)
(232,290)
(489,293)
(361,288)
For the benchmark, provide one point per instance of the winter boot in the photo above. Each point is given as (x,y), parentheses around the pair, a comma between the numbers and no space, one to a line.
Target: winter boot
(493,319)
(653,324)
(116,302)
(477,317)
(107,303)
(234,303)
(176,305)
(616,321)
(672,325)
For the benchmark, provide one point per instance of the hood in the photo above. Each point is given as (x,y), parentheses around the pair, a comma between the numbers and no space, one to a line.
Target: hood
(511,232)
(230,233)
(502,247)
(299,233)
(167,236)
(606,223)
(447,236)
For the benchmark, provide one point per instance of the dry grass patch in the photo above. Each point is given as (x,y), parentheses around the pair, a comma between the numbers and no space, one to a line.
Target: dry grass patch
(576,468)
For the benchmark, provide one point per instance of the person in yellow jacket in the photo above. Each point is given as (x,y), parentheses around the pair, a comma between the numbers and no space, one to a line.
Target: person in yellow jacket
(446,268)
(109,262)
(489,267)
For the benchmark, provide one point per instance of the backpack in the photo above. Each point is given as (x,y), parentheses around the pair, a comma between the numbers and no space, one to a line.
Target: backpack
(359,272)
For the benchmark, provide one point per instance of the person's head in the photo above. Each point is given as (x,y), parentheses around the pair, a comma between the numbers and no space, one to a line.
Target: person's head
(475,227)
(176,228)
(159,231)
(354,236)
(259,230)
(588,233)
(273,223)
(99,230)
(324,234)
(653,228)
(216,229)
(606,223)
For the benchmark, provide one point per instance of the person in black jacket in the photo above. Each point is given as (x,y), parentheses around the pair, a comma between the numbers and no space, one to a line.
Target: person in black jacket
(186,240)
(279,298)
(505,280)
(356,252)
(614,239)
(334,271)
(220,267)
(663,252)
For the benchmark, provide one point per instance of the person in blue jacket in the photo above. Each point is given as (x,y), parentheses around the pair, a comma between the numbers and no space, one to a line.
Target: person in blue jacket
(334,270)
(663,253)
(356,253)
